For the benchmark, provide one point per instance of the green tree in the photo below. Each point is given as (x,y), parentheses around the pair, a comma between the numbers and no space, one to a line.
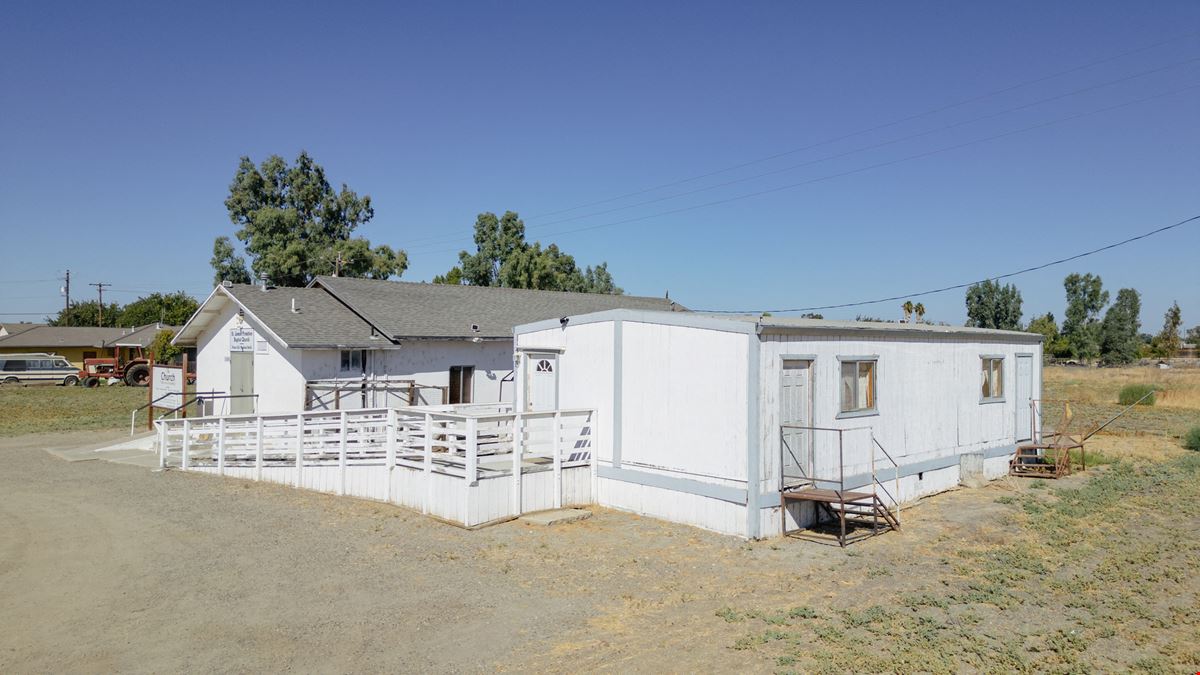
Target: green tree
(454,277)
(504,258)
(919,310)
(173,309)
(1119,341)
(227,264)
(162,349)
(1054,344)
(908,310)
(295,226)
(990,305)
(1081,328)
(1193,335)
(86,314)
(1166,343)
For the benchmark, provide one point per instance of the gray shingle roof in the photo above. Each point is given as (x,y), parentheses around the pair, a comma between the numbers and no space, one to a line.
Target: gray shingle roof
(416,310)
(322,321)
(141,337)
(63,336)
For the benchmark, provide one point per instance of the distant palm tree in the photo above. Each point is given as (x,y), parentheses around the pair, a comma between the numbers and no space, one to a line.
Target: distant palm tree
(908,310)
(919,308)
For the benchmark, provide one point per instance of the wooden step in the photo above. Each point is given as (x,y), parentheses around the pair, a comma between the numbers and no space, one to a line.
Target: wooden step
(827,496)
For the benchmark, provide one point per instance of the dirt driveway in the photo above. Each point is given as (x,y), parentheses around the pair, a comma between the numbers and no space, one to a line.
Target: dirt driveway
(113,568)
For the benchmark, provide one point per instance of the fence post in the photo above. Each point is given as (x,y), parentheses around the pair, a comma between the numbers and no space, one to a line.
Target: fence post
(428,498)
(472,451)
(162,445)
(518,437)
(472,468)
(258,447)
(342,455)
(221,447)
(299,447)
(185,446)
(392,420)
(556,444)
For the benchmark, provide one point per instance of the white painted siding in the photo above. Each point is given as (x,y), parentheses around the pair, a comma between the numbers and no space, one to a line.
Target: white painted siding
(928,397)
(683,404)
(684,400)
(278,374)
(428,362)
(281,373)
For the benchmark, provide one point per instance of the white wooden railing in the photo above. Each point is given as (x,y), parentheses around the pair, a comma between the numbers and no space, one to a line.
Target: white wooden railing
(470,442)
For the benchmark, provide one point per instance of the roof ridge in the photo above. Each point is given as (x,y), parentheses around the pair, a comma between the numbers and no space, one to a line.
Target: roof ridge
(493,288)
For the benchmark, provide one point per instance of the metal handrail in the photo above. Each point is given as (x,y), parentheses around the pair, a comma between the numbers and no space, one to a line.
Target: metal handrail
(208,396)
(134,412)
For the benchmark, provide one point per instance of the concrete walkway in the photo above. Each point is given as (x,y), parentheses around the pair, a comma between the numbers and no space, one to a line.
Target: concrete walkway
(136,451)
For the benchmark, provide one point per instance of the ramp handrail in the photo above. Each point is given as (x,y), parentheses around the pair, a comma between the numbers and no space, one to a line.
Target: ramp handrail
(133,413)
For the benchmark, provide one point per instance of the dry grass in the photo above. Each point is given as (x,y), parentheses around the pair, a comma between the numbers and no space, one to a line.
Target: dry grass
(25,410)
(1093,393)
(1178,387)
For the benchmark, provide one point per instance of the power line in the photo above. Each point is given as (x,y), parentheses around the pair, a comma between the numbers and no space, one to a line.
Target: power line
(847,153)
(963,285)
(867,130)
(869,167)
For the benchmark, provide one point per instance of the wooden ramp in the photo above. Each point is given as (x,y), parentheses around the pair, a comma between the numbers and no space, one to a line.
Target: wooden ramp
(844,516)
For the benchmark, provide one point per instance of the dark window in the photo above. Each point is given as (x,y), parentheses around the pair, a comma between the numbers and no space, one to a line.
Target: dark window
(89,355)
(351,361)
(14,366)
(462,380)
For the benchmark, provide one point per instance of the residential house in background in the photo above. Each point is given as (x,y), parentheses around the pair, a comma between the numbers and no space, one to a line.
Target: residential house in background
(77,343)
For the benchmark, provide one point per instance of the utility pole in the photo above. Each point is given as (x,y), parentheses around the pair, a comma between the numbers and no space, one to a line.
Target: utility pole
(67,293)
(100,290)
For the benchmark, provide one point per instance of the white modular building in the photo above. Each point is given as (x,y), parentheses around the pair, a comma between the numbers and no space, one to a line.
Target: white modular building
(705,420)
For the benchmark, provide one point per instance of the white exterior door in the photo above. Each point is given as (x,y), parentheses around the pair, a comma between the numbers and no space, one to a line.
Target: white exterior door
(541,382)
(241,381)
(795,407)
(1024,398)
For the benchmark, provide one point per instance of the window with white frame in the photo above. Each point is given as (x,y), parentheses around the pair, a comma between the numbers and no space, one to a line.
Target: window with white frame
(351,361)
(992,378)
(858,385)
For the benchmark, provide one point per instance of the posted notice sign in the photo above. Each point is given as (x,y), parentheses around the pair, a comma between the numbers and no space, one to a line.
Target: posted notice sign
(168,381)
(241,340)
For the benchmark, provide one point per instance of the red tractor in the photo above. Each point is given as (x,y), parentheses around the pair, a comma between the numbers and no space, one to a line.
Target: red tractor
(135,372)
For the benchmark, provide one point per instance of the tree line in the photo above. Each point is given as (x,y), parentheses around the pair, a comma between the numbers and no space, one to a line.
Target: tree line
(294,226)
(172,309)
(1114,338)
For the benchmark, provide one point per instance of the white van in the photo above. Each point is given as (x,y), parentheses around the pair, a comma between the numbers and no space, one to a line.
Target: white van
(37,368)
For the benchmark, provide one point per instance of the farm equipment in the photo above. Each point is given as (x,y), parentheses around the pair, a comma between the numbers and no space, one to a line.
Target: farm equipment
(135,372)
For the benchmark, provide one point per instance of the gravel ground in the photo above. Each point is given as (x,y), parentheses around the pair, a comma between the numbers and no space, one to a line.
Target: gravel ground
(107,567)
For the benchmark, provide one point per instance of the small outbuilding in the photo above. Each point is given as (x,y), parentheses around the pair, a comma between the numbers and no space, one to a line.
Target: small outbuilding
(707,420)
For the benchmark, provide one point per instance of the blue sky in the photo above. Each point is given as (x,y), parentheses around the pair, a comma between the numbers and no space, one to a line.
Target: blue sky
(121,126)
